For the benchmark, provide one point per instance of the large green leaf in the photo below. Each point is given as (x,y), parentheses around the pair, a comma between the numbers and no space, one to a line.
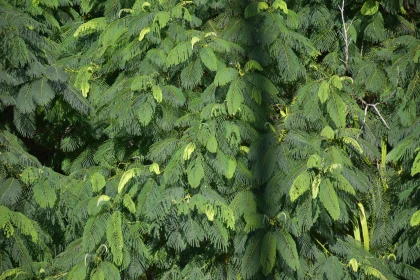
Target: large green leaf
(268,252)
(235,97)
(115,237)
(286,248)
(329,198)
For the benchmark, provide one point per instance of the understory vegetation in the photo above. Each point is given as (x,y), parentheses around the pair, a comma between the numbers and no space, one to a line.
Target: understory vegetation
(209,139)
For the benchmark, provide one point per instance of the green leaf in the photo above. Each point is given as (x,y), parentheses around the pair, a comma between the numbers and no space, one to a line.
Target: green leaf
(345,185)
(329,198)
(44,194)
(115,237)
(195,172)
(286,247)
(208,58)
(129,203)
(333,268)
(227,163)
(98,181)
(98,274)
(179,54)
(93,231)
(268,252)
(300,185)
(323,91)
(10,191)
(416,165)
(78,272)
(337,110)
(415,219)
(225,76)
(234,97)
(369,8)
(82,79)
(42,92)
(211,144)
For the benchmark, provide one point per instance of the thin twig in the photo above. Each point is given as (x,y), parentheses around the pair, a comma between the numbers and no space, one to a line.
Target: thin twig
(377,112)
(344,34)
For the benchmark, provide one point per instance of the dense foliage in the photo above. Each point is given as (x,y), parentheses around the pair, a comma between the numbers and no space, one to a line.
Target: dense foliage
(220,139)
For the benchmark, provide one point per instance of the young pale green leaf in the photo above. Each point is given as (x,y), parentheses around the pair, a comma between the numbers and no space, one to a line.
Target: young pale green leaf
(157,93)
(143,33)
(154,167)
(102,198)
(127,176)
(189,149)
(96,24)
(315,186)
(268,252)
(234,97)
(115,237)
(415,219)
(208,58)
(211,144)
(369,8)
(354,264)
(300,185)
(329,198)
(194,40)
(97,181)
(129,204)
(195,172)
(162,18)
(336,81)
(328,132)
(314,161)
(353,142)
(82,79)
(280,4)
(324,91)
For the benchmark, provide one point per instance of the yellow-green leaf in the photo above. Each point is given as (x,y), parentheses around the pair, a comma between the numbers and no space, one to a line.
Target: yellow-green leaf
(127,176)
(324,91)
(300,185)
(143,33)
(415,219)
(369,8)
(129,203)
(157,93)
